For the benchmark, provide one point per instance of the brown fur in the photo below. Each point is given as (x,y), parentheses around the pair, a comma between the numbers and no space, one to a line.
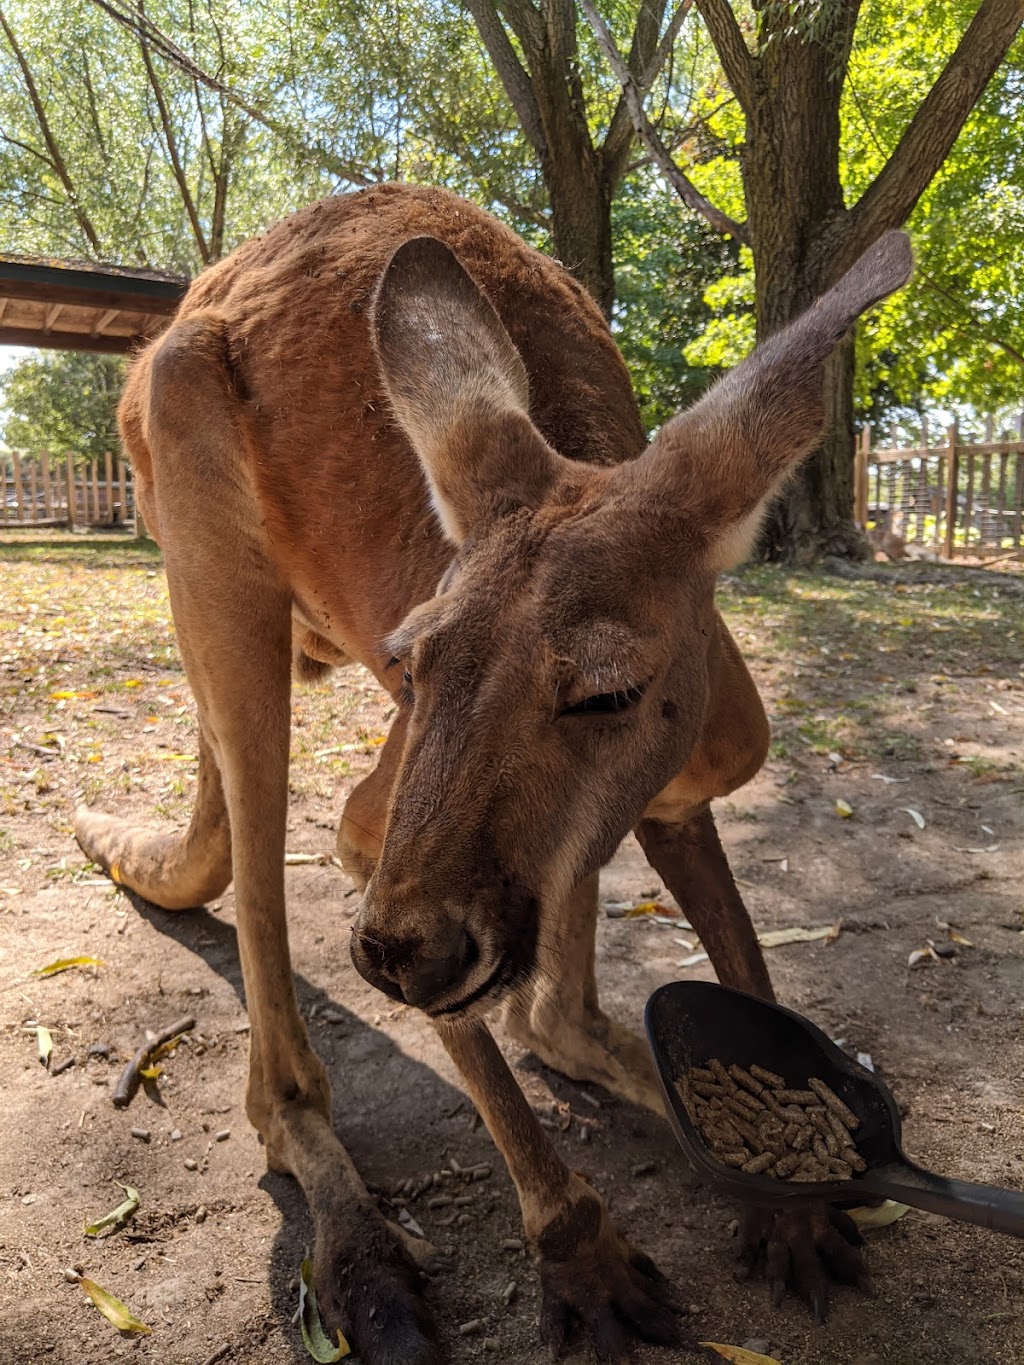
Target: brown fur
(388,431)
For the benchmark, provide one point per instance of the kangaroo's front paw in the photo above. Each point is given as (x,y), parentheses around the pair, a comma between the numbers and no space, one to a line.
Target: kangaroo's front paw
(594,1284)
(804,1250)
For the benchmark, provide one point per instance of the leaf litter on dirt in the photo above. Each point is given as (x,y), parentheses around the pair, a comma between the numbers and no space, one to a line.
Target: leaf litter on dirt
(779,938)
(65,964)
(116,1218)
(915,815)
(739,1355)
(314,1338)
(113,1309)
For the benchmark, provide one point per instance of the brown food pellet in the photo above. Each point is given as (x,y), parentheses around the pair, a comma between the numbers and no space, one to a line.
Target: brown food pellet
(854,1159)
(789,1133)
(721,1075)
(840,1129)
(737,1107)
(820,1150)
(832,1101)
(841,1168)
(786,1165)
(831,1144)
(796,1097)
(767,1077)
(759,1164)
(709,1090)
(802,1141)
(738,1158)
(745,1079)
(698,1073)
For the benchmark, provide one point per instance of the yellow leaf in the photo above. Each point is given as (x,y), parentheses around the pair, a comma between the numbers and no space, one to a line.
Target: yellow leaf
(151,1073)
(176,758)
(116,1218)
(844,809)
(646,908)
(314,1338)
(113,1309)
(738,1355)
(880,1217)
(64,964)
(131,682)
(960,938)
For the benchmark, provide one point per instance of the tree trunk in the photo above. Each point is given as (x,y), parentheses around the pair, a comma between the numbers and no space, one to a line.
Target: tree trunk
(581,224)
(796,216)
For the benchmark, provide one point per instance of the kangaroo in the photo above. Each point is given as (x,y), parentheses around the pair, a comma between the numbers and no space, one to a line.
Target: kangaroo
(387,431)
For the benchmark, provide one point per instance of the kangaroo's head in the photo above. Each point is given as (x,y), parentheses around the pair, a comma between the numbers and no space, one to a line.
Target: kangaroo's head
(559,678)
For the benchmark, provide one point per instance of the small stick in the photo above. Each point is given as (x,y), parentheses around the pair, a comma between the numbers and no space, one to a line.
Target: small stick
(129,1079)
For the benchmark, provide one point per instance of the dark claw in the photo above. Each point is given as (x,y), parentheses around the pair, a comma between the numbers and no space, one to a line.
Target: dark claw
(802,1250)
(368,1288)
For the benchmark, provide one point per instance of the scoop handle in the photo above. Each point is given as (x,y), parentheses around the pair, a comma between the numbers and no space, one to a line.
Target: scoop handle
(987,1205)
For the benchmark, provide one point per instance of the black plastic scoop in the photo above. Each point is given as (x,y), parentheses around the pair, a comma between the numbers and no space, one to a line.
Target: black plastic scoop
(689,1022)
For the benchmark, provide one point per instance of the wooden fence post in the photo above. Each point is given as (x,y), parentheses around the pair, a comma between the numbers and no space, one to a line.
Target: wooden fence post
(122,480)
(108,470)
(951,505)
(69,469)
(18,490)
(44,465)
(860,477)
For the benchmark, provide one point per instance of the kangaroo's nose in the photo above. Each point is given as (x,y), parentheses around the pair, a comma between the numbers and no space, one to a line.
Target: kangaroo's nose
(415,971)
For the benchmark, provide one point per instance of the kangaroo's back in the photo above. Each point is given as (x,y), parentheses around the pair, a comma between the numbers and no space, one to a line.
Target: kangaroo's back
(339,488)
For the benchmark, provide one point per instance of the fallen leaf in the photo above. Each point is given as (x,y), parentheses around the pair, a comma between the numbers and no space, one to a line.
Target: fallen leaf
(739,1355)
(880,1217)
(64,964)
(960,938)
(44,1042)
(646,908)
(113,1309)
(116,1218)
(151,1073)
(314,1337)
(692,960)
(777,938)
(922,955)
(844,809)
(915,815)
(883,777)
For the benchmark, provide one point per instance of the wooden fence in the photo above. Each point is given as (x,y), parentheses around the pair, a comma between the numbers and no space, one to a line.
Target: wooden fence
(957,499)
(44,491)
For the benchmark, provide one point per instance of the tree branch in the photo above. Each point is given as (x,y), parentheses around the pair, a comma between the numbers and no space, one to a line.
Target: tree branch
(56,158)
(650,139)
(647,56)
(172,150)
(736,58)
(164,47)
(511,71)
(931,133)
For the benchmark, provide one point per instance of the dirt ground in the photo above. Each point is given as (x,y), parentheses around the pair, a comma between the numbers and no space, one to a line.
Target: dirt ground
(919,683)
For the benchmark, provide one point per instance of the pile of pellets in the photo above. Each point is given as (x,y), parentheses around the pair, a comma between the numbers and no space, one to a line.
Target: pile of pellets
(751,1120)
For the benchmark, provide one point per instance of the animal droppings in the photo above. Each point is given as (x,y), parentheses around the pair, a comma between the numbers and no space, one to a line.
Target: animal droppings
(755,1123)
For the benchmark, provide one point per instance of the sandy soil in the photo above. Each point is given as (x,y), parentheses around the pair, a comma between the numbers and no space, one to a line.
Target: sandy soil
(924,685)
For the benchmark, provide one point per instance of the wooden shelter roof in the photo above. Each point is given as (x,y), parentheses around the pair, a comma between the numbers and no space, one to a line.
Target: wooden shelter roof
(81,306)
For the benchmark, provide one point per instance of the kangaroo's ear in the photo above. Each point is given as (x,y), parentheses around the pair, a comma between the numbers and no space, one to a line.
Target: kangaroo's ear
(730,451)
(458,387)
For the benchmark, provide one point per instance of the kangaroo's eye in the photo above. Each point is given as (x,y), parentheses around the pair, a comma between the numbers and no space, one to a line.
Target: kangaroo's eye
(607,703)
